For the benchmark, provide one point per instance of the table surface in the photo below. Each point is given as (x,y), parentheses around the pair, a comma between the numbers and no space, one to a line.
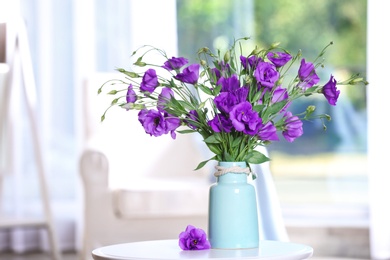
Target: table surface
(169,249)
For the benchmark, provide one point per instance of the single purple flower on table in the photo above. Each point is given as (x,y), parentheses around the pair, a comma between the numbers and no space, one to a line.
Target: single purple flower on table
(221,123)
(225,101)
(193,239)
(292,128)
(330,91)
(131,96)
(307,75)
(245,119)
(189,75)
(175,63)
(268,132)
(229,84)
(279,58)
(163,98)
(250,62)
(266,74)
(149,81)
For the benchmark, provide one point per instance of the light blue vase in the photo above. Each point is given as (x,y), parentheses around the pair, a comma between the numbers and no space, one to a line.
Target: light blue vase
(233,220)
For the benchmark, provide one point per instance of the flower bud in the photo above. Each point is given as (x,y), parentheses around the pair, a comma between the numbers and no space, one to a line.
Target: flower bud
(256,51)
(203,63)
(203,50)
(310,109)
(275,45)
(140,63)
(114,101)
(226,58)
(356,80)
(112,92)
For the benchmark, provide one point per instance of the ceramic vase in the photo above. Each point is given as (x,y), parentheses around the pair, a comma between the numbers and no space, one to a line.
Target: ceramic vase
(233,218)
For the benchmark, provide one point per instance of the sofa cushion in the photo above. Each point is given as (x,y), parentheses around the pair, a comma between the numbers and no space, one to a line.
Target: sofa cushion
(151,197)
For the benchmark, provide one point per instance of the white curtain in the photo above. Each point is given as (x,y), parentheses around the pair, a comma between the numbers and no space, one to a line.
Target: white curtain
(69,42)
(378,93)
(49,50)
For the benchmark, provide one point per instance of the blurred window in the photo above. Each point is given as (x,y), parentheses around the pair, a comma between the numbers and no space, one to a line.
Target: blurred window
(326,168)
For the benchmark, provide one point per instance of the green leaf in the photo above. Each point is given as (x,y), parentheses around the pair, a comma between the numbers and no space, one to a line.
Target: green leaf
(228,157)
(236,142)
(211,140)
(201,164)
(311,90)
(273,109)
(256,157)
(205,89)
(187,131)
(214,148)
(177,105)
(258,108)
(217,90)
(256,96)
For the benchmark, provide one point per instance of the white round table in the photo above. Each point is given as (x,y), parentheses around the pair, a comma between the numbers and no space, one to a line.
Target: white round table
(169,249)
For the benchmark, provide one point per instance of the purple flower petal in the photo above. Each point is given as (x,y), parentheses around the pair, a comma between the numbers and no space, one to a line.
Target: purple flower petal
(330,91)
(175,63)
(190,74)
(307,75)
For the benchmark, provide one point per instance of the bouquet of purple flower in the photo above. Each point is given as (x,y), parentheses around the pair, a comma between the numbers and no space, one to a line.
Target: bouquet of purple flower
(235,102)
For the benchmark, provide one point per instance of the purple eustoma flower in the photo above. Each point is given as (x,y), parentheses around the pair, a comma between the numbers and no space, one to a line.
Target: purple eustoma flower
(242,94)
(190,74)
(156,124)
(268,132)
(221,123)
(149,81)
(279,58)
(245,119)
(193,239)
(163,98)
(131,96)
(330,91)
(307,75)
(250,62)
(266,74)
(225,101)
(293,127)
(175,63)
(229,84)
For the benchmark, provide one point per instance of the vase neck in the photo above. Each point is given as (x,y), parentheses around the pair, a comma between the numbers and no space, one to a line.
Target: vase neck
(232,177)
